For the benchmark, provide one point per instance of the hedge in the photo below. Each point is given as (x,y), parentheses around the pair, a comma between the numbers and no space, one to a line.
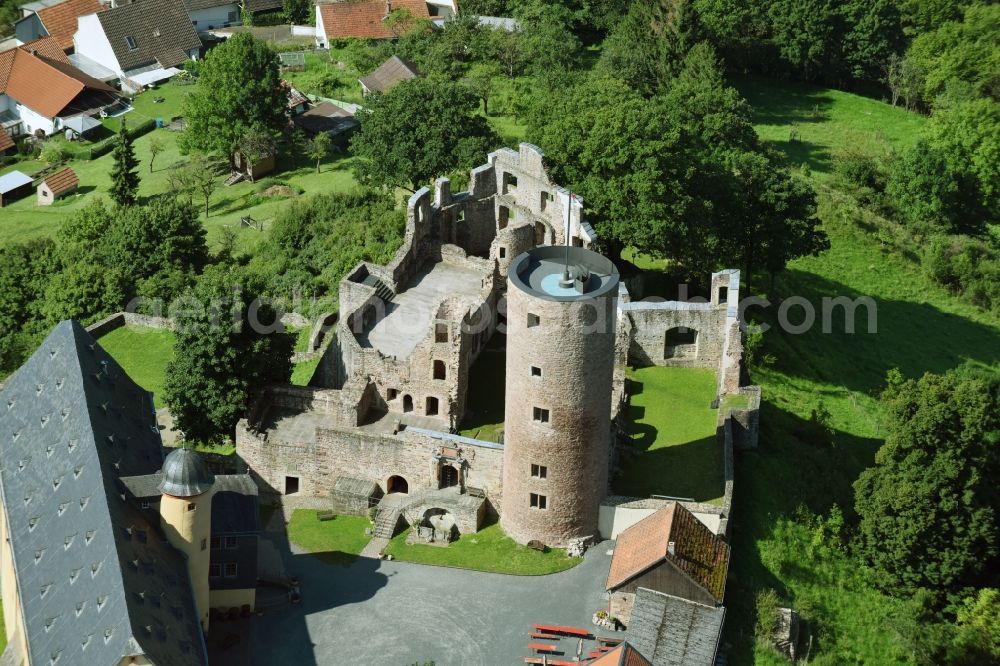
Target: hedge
(105,147)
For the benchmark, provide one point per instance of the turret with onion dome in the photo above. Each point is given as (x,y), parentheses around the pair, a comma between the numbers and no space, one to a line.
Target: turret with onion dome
(186,515)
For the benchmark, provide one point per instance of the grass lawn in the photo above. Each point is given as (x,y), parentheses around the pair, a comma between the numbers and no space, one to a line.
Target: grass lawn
(323,77)
(485,408)
(337,541)
(303,371)
(673,427)
(143,353)
(795,474)
(487,550)
(807,123)
(24,219)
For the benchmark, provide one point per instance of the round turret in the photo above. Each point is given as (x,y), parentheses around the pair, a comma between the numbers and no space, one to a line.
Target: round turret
(185,475)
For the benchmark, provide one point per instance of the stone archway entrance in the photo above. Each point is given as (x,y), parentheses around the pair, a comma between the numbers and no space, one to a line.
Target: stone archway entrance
(449,476)
(397,484)
(407,403)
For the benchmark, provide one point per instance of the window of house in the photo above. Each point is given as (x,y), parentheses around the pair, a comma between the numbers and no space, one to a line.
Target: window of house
(192,506)
(539,472)
(461,214)
(503,252)
(144,504)
(231,542)
(723,295)
(214,570)
(233,17)
(439,370)
(533,320)
(390,394)
(432,407)
(440,332)
(215,543)
(509,183)
(538,501)
(504,217)
(230,570)
(540,415)
(536,371)
(130,40)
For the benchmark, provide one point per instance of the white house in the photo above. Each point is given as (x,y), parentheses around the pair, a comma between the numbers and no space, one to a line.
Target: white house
(142,42)
(40,90)
(209,14)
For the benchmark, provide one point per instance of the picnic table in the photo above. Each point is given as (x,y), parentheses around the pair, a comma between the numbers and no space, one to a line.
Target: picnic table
(542,647)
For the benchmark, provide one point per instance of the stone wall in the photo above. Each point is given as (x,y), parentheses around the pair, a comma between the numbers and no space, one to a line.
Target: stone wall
(119,319)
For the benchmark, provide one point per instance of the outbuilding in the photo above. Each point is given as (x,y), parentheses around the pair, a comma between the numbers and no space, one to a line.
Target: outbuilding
(58,185)
(13,186)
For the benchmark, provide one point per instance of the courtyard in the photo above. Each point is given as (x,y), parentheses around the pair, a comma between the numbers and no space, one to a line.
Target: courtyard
(396,613)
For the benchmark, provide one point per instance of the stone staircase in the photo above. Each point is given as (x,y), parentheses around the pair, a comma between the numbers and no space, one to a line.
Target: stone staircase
(381,290)
(386,521)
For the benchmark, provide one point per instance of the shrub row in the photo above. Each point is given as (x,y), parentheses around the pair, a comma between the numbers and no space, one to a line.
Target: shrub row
(104,147)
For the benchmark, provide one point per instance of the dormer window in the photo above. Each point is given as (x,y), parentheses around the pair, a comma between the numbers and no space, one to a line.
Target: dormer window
(130,40)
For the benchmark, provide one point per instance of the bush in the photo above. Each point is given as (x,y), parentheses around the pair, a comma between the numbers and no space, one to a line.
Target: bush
(53,152)
(966,266)
(859,167)
(766,613)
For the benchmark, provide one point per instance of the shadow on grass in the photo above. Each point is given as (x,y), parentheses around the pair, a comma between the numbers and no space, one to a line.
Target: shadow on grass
(484,412)
(912,336)
(777,103)
(692,470)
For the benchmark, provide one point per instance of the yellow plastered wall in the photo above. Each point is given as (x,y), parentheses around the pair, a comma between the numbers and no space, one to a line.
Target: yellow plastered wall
(14,623)
(187,522)
(229,598)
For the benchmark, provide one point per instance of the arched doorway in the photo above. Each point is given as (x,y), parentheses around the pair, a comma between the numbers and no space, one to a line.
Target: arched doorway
(449,476)
(397,484)
(680,342)
(407,403)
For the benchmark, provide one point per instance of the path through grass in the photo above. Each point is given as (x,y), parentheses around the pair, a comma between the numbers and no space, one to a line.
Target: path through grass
(673,426)
(489,549)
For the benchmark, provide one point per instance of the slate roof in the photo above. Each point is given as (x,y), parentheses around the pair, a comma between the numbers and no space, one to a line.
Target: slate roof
(674,632)
(62,181)
(623,655)
(185,474)
(60,19)
(97,580)
(326,117)
(363,19)
(389,74)
(699,553)
(351,486)
(254,6)
(234,505)
(161,29)
(38,75)
(196,5)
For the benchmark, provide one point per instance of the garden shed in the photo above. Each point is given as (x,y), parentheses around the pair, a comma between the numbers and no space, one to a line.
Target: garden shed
(13,186)
(58,185)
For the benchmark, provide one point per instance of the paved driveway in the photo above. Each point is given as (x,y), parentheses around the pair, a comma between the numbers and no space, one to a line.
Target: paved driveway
(395,613)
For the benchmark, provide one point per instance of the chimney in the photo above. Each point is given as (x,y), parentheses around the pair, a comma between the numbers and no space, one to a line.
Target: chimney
(672,547)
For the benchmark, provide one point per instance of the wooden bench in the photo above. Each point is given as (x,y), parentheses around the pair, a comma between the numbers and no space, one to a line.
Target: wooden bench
(542,647)
(538,634)
(569,631)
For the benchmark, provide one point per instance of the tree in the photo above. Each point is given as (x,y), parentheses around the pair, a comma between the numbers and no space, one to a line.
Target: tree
(228,346)
(155,148)
(977,636)
(202,176)
(256,144)
(239,89)
(318,147)
(873,35)
(929,507)
(417,131)
(124,172)
(545,38)
(298,12)
(25,270)
(154,240)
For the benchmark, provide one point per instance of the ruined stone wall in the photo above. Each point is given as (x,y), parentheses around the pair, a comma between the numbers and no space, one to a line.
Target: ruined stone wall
(651,321)
(575,356)
(363,454)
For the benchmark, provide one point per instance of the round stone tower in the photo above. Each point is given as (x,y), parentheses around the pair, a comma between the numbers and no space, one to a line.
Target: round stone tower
(186,515)
(561,321)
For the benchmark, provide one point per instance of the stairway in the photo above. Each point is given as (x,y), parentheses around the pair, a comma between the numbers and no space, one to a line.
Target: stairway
(381,290)
(386,522)
(234,178)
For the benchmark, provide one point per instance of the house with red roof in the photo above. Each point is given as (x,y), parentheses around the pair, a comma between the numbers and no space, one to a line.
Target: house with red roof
(367,19)
(53,18)
(40,90)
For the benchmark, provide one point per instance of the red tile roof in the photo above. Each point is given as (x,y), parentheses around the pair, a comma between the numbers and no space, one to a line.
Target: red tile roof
(38,75)
(60,20)
(62,181)
(363,19)
(623,655)
(6,143)
(697,552)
